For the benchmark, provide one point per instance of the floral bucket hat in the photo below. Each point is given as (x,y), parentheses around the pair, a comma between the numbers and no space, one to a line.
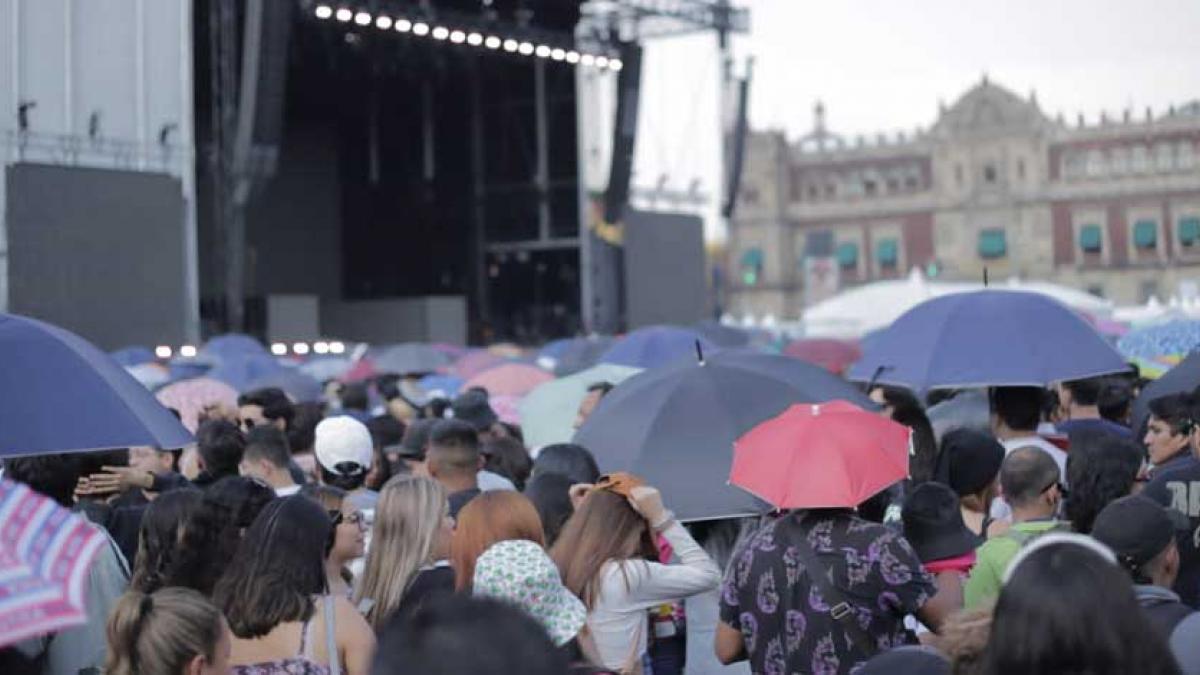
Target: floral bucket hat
(521,573)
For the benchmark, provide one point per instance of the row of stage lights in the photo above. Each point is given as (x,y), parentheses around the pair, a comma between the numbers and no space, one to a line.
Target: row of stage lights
(277,348)
(474,39)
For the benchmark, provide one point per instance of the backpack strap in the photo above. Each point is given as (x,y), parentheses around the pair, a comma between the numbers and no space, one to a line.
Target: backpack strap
(841,609)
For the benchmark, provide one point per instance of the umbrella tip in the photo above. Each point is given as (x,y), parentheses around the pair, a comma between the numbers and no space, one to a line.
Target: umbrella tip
(985,277)
(699,353)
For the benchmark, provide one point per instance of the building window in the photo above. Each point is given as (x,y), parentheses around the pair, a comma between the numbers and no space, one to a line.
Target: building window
(752,266)
(847,255)
(1095,163)
(1187,156)
(992,244)
(1091,239)
(1021,169)
(958,174)
(868,187)
(1164,157)
(1188,231)
(1120,161)
(989,174)
(887,254)
(1145,234)
(1140,159)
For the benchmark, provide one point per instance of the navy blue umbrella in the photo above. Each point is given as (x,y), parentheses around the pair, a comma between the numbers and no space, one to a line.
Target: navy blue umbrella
(579,354)
(655,346)
(59,393)
(985,339)
(234,344)
(675,425)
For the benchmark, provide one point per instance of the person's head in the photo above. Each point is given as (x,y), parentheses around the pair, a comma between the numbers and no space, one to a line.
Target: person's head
(605,527)
(509,458)
(495,516)
(1115,400)
(301,431)
(568,459)
(454,634)
(278,569)
(1077,395)
(415,445)
(215,530)
(1101,468)
(174,631)
(591,399)
(550,495)
(220,445)
(412,529)
(1037,626)
(1031,483)
(348,539)
(266,455)
(392,388)
(453,455)
(267,406)
(54,476)
(344,452)
(520,572)
(933,523)
(904,408)
(472,407)
(355,397)
(387,433)
(151,460)
(1170,427)
(969,463)
(161,535)
(1141,533)
(1016,410)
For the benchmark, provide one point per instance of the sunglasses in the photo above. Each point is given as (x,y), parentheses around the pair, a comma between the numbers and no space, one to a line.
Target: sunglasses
(246,424)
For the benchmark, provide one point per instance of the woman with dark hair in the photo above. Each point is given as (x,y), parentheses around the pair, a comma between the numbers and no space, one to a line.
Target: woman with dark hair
(1067,608)
(903,408)
(1101,468)
(276,599)
(208,543)
(508,457)
(969,464)
(551,496)
(349,536)
(174,631)
(163,526)
(571,460)
(500,515)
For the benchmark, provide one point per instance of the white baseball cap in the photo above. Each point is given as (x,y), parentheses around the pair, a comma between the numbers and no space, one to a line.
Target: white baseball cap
(343,439)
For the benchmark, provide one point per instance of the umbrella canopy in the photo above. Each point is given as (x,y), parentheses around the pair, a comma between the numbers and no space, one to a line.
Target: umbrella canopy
(233,344)
(548,412)
(721,335)
(832,355)
(441,386)
(45,553)
(831,455)
(299,386)
(133,356)
(191,397)
(475,362)
(1181,379)
(1156,349)
(150,375)
(987,338)
(676,425)
(240,370)
(323,368)
(967,409)
(655,346)
(509,379)
(63,394)
(506,350)
(572,355)
(411,357)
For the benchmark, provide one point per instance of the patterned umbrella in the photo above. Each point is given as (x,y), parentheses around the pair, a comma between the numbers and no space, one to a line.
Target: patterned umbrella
(190,397)
(1158,348)
(45,552)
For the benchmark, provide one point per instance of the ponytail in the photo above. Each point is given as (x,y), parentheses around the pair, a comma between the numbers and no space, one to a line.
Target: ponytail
(160,633)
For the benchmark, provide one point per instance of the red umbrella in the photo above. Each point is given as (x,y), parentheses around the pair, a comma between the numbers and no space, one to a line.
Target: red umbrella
(826,455)
(509,379)
(832,355)
(475,362)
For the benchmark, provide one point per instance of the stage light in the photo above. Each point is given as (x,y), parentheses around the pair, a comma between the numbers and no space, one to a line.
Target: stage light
(383,22)
(492,42)
(187,351)
(162,352)
(300,348)
(542,51)
(474,39)
(403,25)
(558,54)
(510,45)
(615,65)
(321,347)
(362,18)
(421,29)
(587,59)
(279,349)
(441,33)
(458,37)
(336,347)
(572,57)
(344,15)
(324,11)
(601,61)
(526,48)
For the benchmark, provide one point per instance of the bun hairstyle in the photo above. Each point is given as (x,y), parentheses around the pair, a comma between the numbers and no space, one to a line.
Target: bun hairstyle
(160,633)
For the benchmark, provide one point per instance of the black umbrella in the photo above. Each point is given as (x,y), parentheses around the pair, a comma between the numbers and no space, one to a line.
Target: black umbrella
(1183,378)
(675,425)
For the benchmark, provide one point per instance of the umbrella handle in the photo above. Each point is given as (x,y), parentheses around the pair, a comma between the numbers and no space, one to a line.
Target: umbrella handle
(699,353)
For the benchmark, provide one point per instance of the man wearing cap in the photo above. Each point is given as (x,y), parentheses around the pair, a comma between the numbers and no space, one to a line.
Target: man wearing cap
(1142,535)
(344,452)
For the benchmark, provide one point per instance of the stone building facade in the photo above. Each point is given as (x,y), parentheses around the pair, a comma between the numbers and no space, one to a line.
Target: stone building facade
(1111,207)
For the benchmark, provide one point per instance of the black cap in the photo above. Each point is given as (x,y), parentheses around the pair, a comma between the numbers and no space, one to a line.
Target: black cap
(933,524)
(416,439)
(969,461)
(472,407)
(1137,529)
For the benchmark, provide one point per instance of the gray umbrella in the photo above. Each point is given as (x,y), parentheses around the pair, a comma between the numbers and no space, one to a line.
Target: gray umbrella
(410,357)
(967,409)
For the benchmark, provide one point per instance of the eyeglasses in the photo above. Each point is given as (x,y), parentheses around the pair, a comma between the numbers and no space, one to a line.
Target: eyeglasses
(356,518)
(246,424)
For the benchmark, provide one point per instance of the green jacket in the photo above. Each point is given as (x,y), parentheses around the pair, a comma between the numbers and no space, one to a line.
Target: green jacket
(992,559)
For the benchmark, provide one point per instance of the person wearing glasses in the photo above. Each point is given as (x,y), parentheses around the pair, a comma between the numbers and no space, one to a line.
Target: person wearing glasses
(1030,481)
(263,407)
(347,542)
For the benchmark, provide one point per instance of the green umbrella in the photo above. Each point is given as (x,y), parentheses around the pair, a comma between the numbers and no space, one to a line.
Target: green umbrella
(548,412)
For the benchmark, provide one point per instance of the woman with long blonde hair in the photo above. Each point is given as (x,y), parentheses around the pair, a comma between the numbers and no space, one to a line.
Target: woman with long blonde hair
(410,549)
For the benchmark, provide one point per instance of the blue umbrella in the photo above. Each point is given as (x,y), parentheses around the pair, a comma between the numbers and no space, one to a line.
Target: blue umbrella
(410,357)
(133,356)
(572,355)
(655,346)
(984,339)
(444,386)
(234,344)
(62,394)
(240,370)
(722,335)
(299,386)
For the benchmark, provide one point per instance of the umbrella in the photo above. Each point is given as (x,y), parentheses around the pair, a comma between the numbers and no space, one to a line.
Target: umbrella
(410,357)
(360,369)
(548,412)
(299,386)
(676,425)
(184,367)
(324,368)
(149,375)
(574,354)
(655,346)
(967,409)
(441,386)
(987,338)
(45,553)
(240,370)
(233,344)
(133,356)
(1156,349)
(721,335)
(825,455)
(1181,379)
(507,408)
(509,379)
(474,362)
(63,394)
(191,397)
(506,350)
(832,355)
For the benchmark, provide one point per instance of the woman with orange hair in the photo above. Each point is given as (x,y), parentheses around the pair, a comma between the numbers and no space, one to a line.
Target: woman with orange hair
(495,516)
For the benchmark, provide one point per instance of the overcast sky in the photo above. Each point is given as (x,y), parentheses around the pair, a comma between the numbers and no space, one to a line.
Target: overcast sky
(883,65)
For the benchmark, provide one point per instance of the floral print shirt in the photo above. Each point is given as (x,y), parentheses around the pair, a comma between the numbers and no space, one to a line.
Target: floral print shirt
(787,625)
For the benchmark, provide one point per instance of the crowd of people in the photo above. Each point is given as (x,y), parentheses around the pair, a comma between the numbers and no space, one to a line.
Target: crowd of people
(321,540)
